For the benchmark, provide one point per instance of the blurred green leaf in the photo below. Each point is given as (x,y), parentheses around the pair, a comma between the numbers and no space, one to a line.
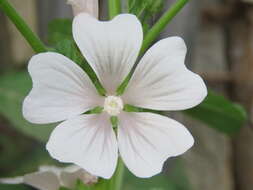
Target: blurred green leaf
(145,10)
(31,162)
(13,89)
(14,147)
(219,113)
(63,188)
(68,48)
(14,187)
(58,30)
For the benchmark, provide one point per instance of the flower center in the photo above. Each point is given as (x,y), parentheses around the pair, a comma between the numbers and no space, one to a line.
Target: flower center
(113,105)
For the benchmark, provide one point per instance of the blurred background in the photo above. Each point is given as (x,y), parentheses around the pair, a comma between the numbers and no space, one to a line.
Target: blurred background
(219,36)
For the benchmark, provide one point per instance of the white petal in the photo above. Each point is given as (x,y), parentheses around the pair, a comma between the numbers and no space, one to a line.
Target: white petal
(42,180)
(14,180)
(161,80)
(146,140)
(111,47)
(61,90)
(71,168)
(53,169)
(87,141)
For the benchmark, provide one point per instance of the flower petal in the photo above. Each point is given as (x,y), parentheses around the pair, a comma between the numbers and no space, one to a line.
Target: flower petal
(146,140)
(42,180)
(111,48)
(161,81)
(61,90)
(87,141)
(12,180)
(53,169)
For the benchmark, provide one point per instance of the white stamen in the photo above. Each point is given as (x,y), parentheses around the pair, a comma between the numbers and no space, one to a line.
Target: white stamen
(113,105)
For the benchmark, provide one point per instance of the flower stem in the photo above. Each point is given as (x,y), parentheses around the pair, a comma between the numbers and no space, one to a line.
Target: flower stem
(23,28)
(118,176)
(131,108)
(114,7)
(154,32)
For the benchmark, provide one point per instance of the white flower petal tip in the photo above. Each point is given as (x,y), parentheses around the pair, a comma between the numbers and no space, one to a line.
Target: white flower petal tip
(147,140)
(85,6)
(61,90)
(87,141)
(14,180)
(111,47)
(163,76)
(51,178)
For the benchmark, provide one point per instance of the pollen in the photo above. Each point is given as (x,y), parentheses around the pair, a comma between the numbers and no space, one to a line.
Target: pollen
(113,105)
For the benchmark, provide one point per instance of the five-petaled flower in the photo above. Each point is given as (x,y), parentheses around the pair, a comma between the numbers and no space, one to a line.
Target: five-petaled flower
(63,92)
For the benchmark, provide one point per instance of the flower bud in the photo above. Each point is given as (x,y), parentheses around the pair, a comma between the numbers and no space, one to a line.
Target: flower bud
(87,6)
(89,179)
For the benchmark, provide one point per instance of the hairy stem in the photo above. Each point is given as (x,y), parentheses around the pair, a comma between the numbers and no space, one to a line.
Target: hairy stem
(114,8)
(36,44)
(160,25)
(118,176)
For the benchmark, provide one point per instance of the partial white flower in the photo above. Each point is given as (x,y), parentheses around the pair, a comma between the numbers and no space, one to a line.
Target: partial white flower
(63,92)
(85,6)
(52,178)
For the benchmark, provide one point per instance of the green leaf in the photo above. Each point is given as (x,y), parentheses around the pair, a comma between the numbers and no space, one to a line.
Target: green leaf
(81,186)
(14,187)
(13,89)
(59,29)
(63,188)
(68,48)
(219,113)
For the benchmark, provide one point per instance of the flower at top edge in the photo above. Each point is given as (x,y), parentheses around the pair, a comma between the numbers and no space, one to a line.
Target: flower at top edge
(85,6)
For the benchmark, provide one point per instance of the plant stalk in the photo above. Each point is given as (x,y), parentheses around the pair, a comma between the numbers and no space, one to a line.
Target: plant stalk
(36,44)
(114,8)
(118,176)
(160,25)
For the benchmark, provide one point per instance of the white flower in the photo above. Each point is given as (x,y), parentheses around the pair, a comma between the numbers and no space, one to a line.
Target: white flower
(84,6)
(52,178)
(63,92)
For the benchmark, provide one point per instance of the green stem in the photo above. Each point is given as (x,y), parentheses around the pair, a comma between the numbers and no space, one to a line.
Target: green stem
(23,28)
(131,108)
(114,7)
(118,176)
(154,32)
